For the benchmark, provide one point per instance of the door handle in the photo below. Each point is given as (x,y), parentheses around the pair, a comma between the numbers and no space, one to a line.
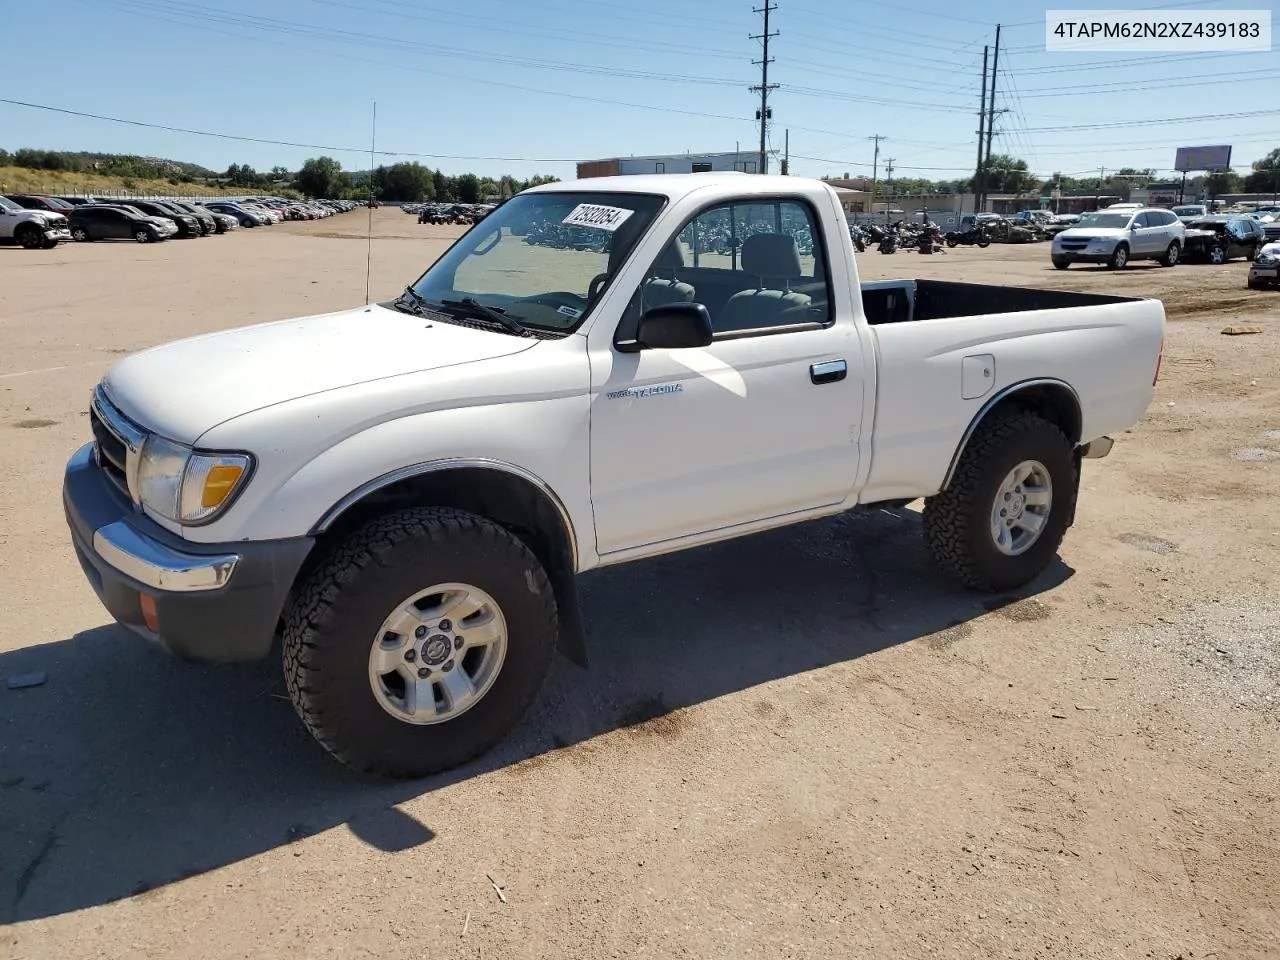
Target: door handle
(832,371)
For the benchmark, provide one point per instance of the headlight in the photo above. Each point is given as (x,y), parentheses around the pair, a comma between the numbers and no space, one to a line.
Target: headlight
(185,486)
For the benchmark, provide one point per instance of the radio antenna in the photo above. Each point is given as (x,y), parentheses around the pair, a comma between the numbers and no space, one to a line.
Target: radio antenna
(368,264)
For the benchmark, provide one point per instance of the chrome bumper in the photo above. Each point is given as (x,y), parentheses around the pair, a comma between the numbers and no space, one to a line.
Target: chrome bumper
(157,566)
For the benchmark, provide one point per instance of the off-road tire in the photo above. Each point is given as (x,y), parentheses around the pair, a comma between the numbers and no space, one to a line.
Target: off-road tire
(334,618)
(1172,256)
(957,521)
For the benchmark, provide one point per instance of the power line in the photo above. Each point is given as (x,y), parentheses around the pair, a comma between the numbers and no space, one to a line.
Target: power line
(1150,123)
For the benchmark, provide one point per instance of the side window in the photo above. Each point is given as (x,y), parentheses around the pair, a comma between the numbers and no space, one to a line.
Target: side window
(753,265)
(1142,220)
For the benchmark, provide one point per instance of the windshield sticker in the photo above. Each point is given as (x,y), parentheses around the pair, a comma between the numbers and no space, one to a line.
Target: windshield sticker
(569,312)
(594,215)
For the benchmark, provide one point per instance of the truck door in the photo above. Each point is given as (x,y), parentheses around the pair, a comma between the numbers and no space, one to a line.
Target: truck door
(761,423)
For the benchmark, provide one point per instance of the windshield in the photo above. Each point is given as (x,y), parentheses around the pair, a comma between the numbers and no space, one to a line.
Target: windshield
(1110,221)
(543,258)
(1188,211)
(8,204)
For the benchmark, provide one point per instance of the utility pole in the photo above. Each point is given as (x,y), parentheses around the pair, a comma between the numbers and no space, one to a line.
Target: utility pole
(786,155)
(875,167)
(888,177)
(764,114)
(979,177)
(991,116)
(1097,194)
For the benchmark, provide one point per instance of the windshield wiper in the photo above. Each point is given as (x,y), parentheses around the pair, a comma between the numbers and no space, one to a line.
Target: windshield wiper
(415,300)
(496,314)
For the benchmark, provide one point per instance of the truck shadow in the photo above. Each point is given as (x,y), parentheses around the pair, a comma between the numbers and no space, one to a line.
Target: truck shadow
(127,770)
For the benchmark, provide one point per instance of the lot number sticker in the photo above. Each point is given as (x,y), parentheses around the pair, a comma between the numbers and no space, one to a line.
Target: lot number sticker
(593,215)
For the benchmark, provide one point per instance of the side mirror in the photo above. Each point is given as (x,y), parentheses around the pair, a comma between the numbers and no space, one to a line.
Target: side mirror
(674,326)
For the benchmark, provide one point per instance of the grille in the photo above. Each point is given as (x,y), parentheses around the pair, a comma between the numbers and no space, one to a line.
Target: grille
(112,436)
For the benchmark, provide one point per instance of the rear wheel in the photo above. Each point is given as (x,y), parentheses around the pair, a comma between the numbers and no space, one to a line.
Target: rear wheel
(1002,519)
(1119,257)
(420,642)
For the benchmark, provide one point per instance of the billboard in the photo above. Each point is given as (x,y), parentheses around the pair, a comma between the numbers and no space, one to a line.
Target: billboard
(1211,159)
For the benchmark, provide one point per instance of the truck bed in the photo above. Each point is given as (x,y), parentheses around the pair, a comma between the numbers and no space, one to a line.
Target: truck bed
(905,301)
(944,350)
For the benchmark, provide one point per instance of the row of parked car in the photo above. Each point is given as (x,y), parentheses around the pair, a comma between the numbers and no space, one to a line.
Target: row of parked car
(40,222)
(1124,232)
(458,213)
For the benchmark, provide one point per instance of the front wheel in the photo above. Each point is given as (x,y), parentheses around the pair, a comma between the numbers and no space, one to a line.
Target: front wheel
(1217,255)
(984,242)
(1001,520)
(31,239)
(80,235)
(1061,263)
(1172,255)
(419,642)
(142,236)
(1119,258)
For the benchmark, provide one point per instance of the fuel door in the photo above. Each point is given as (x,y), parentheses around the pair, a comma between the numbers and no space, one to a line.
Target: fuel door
(977,376)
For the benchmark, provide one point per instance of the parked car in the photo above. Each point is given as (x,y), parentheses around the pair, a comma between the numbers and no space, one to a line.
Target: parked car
(1222,238)
(208,225)
(376,483)
(101,221)
(77,201)
(37,202)
(1187,212)
(188,225)
(32,229)
(1265,269)
(244,216)
(1119,236)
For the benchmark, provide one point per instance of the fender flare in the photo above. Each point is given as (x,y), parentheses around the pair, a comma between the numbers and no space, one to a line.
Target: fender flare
(999,397)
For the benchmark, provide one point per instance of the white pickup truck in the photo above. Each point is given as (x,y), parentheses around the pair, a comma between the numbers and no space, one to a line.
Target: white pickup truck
(600,371)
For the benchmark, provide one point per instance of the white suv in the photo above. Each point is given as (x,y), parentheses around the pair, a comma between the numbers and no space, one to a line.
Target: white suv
(1115,237)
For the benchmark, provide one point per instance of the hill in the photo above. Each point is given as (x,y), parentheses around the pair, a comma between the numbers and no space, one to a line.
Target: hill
(23,180)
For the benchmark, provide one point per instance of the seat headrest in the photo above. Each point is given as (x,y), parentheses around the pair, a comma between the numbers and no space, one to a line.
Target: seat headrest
(773,255)
(671,257)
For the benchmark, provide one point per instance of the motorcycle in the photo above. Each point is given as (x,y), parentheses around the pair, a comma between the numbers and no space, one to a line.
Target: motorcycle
(930,239)
(974,236)
(889,242)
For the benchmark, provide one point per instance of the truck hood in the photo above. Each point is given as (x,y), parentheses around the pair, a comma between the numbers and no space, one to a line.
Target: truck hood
(183,389)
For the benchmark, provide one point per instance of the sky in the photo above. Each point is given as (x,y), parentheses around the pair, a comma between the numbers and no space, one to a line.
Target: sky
(496,87)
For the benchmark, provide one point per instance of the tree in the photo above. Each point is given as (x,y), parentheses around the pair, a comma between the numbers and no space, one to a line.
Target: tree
(539,179)
(279,173)
(1266,174)
(1217,184)
(320,177)
(1004,174)
(440,186)
(1135,177)
(405,182)
(468,188)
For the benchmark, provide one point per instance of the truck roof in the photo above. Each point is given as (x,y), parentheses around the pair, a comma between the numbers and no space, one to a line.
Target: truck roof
(676,186)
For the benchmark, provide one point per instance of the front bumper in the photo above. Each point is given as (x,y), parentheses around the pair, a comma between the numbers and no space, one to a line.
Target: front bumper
(1264,274)
(1084,256)
(213,602)
(58,233)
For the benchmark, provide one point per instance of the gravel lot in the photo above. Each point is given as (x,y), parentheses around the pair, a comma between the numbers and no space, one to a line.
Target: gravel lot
(806,744)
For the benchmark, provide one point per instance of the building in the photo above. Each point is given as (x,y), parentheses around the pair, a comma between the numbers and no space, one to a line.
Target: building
(742,161)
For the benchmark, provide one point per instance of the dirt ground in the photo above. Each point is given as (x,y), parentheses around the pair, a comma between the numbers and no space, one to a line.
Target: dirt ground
(805,744)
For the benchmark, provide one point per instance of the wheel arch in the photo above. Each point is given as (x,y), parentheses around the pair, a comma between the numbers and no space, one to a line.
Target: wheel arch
(1055,400)
(505,493)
